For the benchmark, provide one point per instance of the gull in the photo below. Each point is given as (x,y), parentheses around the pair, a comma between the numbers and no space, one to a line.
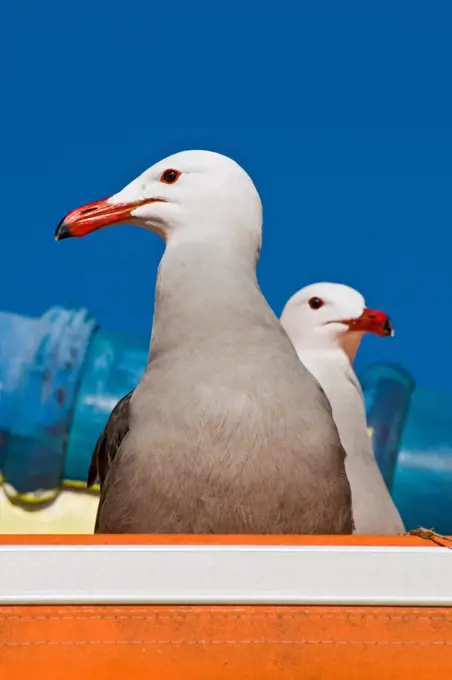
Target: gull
(227,432)
(326,323)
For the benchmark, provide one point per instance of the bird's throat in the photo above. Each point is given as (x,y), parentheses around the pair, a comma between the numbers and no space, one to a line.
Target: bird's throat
(202,292)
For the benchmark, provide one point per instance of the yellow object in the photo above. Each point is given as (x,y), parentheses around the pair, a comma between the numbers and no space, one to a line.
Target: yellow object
(70,513)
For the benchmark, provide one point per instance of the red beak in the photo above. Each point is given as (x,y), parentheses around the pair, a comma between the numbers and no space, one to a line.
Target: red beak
(93,216)
(372,321)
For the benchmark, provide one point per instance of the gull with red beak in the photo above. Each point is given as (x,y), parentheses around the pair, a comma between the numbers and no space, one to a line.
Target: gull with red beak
(326,323)
(227,431)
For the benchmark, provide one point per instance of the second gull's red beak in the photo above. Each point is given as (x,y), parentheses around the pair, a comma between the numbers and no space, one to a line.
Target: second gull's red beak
(97,215)
(372,321)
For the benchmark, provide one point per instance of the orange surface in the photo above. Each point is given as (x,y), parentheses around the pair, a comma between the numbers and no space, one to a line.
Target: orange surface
(209,539)
(214,643)
(218,642)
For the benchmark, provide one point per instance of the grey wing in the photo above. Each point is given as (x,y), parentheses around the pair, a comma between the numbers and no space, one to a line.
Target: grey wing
(109,441)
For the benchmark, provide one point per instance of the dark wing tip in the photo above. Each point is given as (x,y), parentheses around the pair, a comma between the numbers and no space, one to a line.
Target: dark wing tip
(92,473)
(109,441)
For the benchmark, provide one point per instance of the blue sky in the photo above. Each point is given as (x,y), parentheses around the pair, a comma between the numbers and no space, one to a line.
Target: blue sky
(344,121)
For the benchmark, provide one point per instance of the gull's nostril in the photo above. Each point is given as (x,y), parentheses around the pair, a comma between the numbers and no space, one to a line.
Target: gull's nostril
(88,210)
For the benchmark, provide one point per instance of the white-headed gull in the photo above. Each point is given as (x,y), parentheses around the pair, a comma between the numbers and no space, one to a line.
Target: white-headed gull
(326,323)
(227,431)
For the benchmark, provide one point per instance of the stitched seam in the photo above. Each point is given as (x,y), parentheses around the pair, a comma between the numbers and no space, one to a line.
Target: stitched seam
(241,610)
(223,642)
(226,610)
(226,616)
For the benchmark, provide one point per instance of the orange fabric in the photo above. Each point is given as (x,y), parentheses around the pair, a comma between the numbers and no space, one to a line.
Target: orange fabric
(210,539)
(215,643)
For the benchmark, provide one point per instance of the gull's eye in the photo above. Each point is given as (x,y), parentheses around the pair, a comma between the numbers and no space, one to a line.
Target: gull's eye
(315,303)
(170,176)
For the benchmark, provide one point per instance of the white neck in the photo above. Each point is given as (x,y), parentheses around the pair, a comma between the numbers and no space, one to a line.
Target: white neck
(333,370)
(323,360)
(320,340)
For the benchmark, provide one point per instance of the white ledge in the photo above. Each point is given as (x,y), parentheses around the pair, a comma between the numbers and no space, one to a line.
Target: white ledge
(230,574)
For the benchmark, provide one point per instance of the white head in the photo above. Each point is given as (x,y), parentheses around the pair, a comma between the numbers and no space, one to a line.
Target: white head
(188,196)
(331,316)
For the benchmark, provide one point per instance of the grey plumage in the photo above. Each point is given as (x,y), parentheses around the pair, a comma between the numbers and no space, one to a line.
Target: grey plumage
(222,447)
